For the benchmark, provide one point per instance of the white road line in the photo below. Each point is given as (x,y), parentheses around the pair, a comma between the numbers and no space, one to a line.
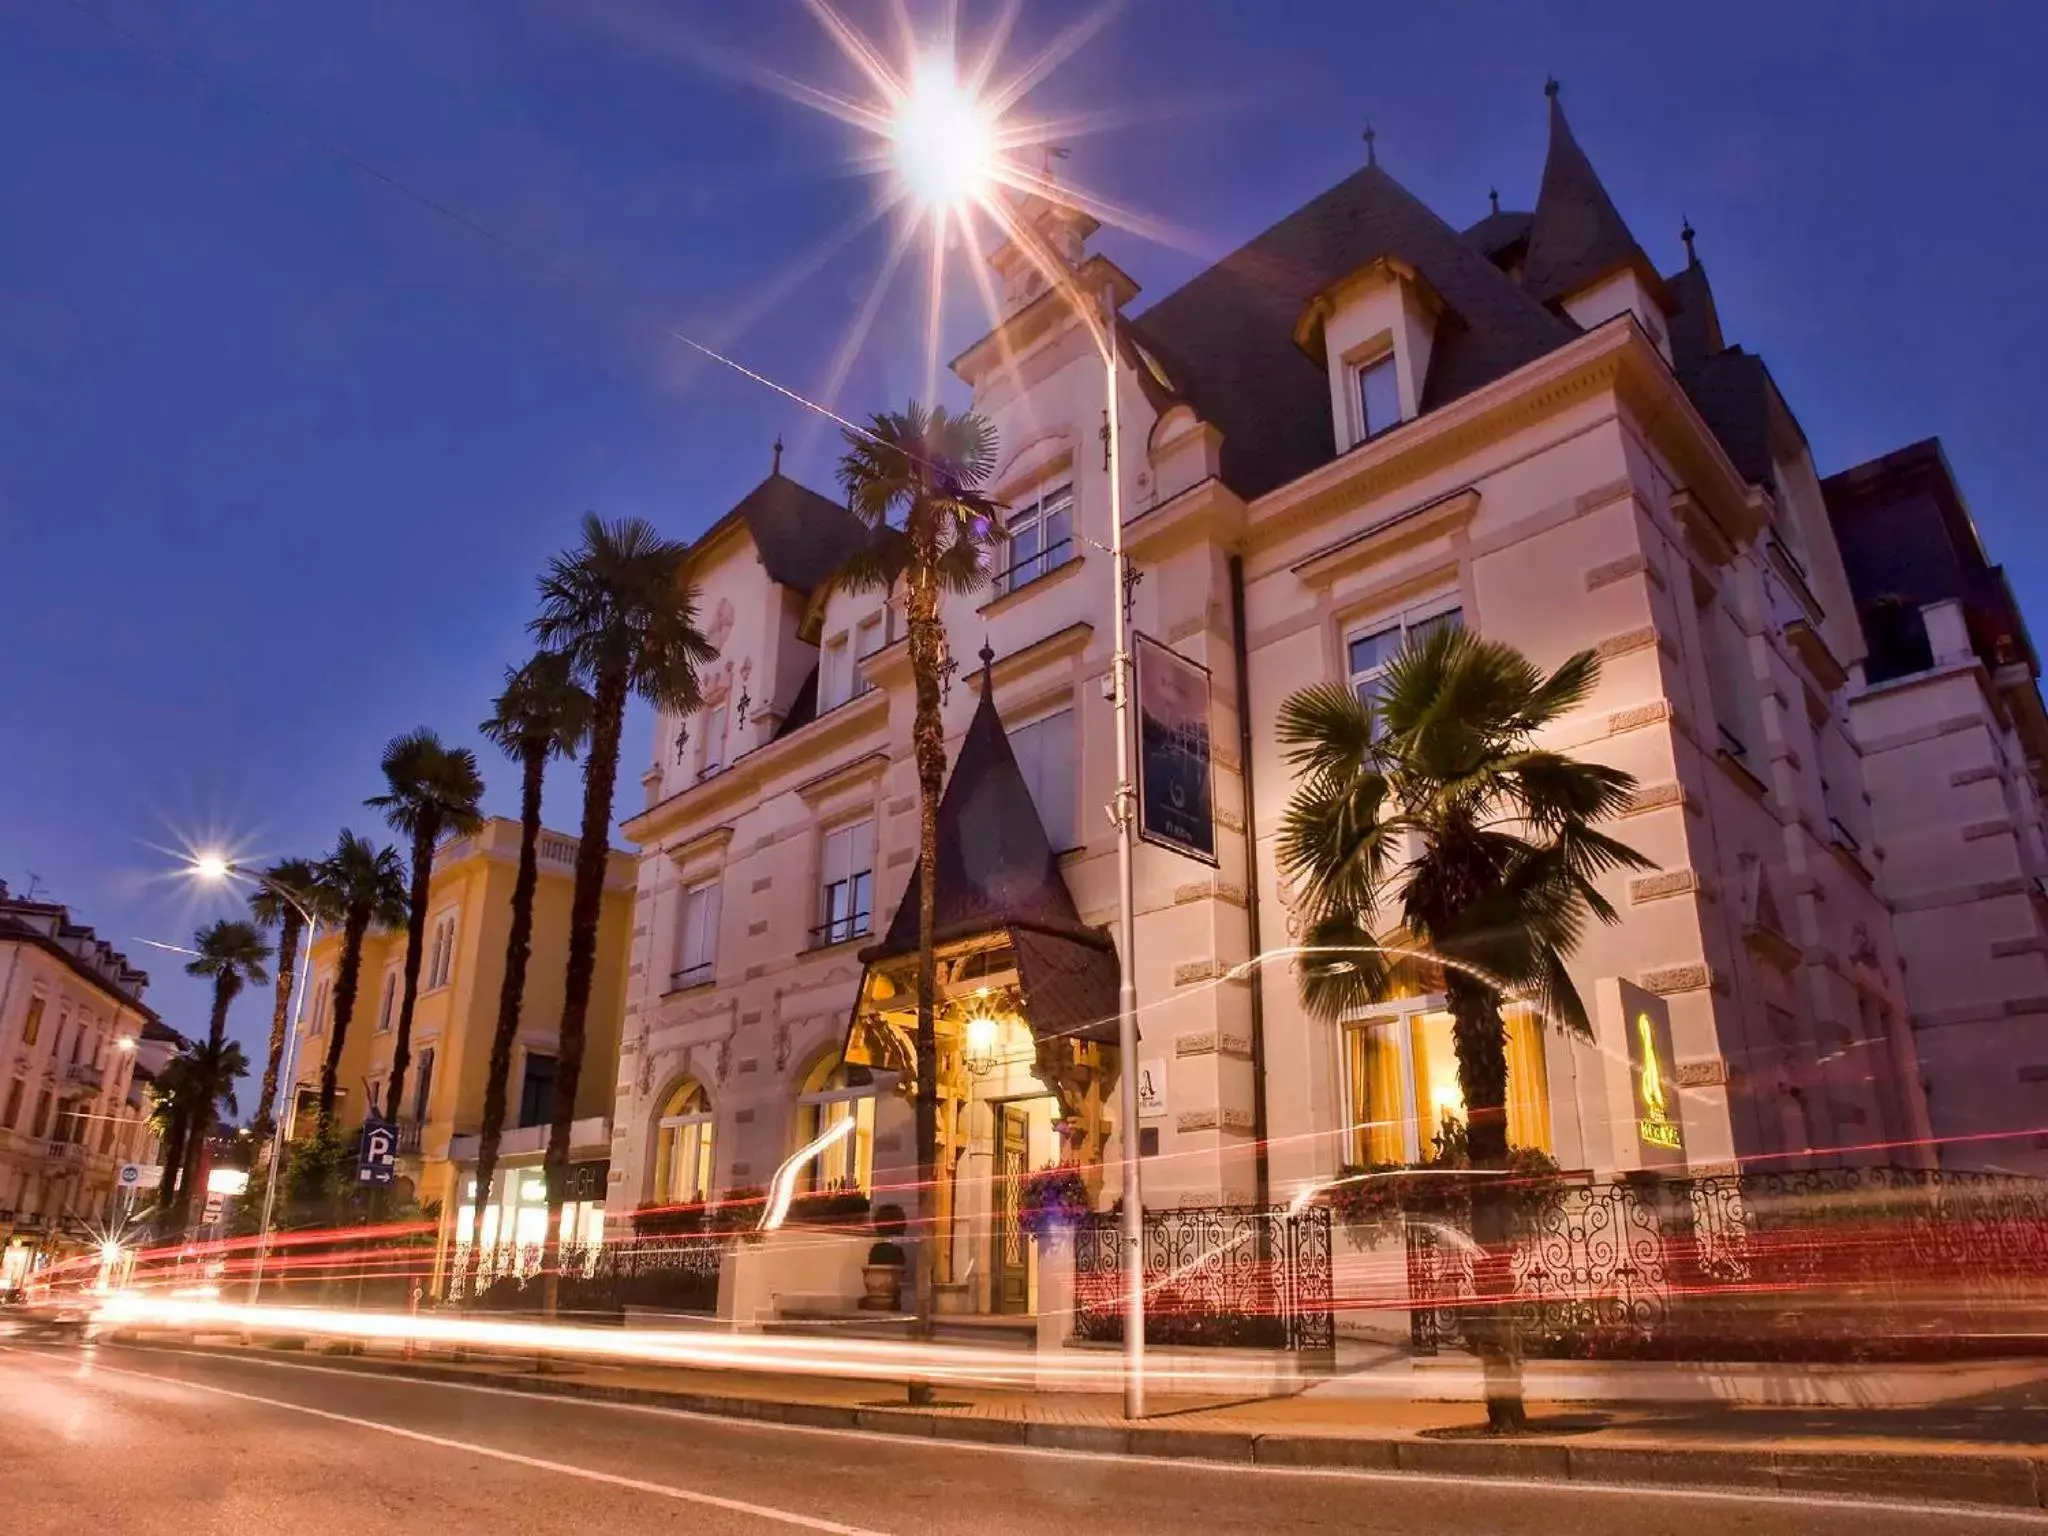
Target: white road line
(914,1443)
(611,1479)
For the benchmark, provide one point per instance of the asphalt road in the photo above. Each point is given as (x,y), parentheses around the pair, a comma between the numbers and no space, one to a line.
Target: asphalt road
(103,1439)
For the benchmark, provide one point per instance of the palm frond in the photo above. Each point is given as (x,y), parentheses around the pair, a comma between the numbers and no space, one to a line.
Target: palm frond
(1325,728)
(543,709)
(433,787)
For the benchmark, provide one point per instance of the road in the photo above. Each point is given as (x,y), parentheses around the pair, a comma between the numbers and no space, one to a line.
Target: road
(107,1439)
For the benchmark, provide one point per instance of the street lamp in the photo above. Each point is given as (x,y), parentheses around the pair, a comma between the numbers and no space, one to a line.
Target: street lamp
(215,869)
(945,150)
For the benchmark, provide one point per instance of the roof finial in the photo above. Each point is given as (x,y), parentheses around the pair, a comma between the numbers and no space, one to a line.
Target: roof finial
(1371,155)
(1493,196)
(1551,87)
(1692,257)
(778,455)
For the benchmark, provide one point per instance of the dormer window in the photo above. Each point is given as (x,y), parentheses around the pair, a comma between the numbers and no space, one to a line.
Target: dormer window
(1378,394)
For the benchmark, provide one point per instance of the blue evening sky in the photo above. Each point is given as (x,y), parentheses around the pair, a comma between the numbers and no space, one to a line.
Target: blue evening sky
(281,450)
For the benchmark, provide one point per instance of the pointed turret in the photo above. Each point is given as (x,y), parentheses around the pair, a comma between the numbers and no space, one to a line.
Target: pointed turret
(1577,236)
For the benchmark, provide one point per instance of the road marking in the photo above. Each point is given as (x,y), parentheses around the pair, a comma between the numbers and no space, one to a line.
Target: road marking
(1986,1513)
(471,1447)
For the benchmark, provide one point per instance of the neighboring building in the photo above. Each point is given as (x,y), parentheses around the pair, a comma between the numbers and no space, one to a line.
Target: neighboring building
(1361,425)
(73,1105)
(454,1017)
(1947,711)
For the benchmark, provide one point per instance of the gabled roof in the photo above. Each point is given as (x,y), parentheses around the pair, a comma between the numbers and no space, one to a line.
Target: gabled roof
(1226,337)
(1578,236)
(996,867)
(802,537)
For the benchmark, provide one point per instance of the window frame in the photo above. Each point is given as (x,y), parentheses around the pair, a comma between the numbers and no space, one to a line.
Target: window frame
(858,922)
(527,1056)
(711,758)
(1365,368)
(1033,518)
(387,1001)
(1407,620)
(441,951)
(705,970)
(819,1108)
(704,1171)
(1070,836)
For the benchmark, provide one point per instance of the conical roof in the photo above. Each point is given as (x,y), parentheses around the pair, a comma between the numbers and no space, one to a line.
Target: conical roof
(1577,236)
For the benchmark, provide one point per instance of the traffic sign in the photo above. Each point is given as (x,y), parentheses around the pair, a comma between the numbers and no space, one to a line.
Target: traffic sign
(141,1176)
(377,1152)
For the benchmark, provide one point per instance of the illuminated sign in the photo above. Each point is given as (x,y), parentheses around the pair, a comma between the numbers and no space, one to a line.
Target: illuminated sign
(1656,1125)
(1660,1130)
(227,1181)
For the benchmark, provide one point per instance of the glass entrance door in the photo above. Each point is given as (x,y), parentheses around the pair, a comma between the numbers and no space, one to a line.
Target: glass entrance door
(1012,1290)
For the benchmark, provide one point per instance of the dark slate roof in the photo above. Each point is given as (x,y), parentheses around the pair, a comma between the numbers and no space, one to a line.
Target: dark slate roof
(1732,391)
(803,709)
(1070,986)
(802,537)
(996,868)
(1500,231)
(1226,338)
(1578,236)
(1695,322)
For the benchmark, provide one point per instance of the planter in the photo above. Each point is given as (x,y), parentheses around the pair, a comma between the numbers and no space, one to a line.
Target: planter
(884,1283)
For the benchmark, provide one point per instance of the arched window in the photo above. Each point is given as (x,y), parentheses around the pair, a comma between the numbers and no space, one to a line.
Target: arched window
(830,1094)
(682,1166)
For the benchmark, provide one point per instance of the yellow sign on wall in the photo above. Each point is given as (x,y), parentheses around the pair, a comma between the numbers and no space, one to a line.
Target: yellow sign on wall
(1660,1127)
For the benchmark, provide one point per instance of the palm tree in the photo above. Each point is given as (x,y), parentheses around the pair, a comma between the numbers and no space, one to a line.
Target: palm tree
(363,884)
(619,607)
(231,953)
(543,713)
(170,1114)
(1433,823)
(434,789)
(914,479)
(204,1078)
(285,887)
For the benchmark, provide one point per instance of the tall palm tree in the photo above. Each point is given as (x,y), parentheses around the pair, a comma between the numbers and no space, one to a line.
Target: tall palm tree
(170,1114)
(230,954)
(363,884)
(543,713)
(434,788)
(205,1074)
(286,886)
(1433,823)
(618,606)
(915,480)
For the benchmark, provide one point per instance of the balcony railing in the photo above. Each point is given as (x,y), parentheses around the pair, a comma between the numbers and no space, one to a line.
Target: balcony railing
(65,1154)
(840,930)
(409,1136)
(692,976)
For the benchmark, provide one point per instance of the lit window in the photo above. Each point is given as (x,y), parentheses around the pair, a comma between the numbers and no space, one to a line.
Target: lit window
(697,956)
(1379,397)
(1401,1086)
(1368,655)
(683,1165)
(846,883)
(1046,757)
(1041,538)
(830,1095)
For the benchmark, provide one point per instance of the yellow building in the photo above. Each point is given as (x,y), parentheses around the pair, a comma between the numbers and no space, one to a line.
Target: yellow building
(462,970)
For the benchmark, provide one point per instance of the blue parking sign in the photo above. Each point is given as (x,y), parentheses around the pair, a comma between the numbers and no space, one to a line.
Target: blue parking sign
(377,1152)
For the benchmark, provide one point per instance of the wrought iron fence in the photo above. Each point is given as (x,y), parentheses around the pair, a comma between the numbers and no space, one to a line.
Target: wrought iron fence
(1835,1260)
(1214,1275)
(668,1274)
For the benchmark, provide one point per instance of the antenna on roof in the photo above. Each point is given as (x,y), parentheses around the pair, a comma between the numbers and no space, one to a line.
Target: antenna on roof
(1692,257)
(1493,197)
(34,883)
(1371,155)
(777,467)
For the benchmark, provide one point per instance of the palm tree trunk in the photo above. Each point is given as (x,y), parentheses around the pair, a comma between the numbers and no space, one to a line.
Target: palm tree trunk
(424,836)
(586,909)
(511,994)
(195,1152)
(217,1022)
(173,1155)
(928,745)
(280,1017)
(1480,1038)
(346,975)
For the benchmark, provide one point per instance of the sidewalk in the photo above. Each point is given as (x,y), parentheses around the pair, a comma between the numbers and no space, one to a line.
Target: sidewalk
(1988,1449)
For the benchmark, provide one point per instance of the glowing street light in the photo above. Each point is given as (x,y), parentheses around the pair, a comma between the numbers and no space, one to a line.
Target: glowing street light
(212,868)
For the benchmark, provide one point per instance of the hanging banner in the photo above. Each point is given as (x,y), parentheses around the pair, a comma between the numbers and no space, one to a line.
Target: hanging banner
(1176,804)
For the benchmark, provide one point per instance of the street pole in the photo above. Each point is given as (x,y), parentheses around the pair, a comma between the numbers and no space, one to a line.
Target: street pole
(1127,917)
(287,1070)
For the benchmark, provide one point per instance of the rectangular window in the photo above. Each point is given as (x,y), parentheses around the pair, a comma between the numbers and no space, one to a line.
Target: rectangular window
(423,1087)
(1737,714)
(1368,655)
(711,751)
(835,674)
(697,956)
(322,996)
(389,1002)
(868,638)
(13,1115)
(1379,396)
(847,883)
(441,954)
(32,1026)
(1041,538)
(40,1127)
(1046,755)
(537,1090)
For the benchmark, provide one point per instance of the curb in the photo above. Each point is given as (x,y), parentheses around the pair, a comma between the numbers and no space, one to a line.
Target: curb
(2006,1479)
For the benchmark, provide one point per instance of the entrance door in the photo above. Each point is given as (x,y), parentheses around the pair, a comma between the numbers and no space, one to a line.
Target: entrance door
(1012,1251)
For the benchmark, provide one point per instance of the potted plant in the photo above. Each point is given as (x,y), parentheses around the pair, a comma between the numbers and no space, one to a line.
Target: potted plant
(882,1275)
(1052,1200)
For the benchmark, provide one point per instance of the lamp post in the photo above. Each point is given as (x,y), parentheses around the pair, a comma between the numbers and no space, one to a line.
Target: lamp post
(216,870)
(946,151)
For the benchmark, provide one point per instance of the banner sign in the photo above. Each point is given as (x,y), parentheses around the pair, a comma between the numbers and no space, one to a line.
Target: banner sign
(1152,1088)
(1175,797)
(377,1152)
(1653,1077)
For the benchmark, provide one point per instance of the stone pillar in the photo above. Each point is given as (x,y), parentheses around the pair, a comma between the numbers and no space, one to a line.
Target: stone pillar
(1055,1303)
